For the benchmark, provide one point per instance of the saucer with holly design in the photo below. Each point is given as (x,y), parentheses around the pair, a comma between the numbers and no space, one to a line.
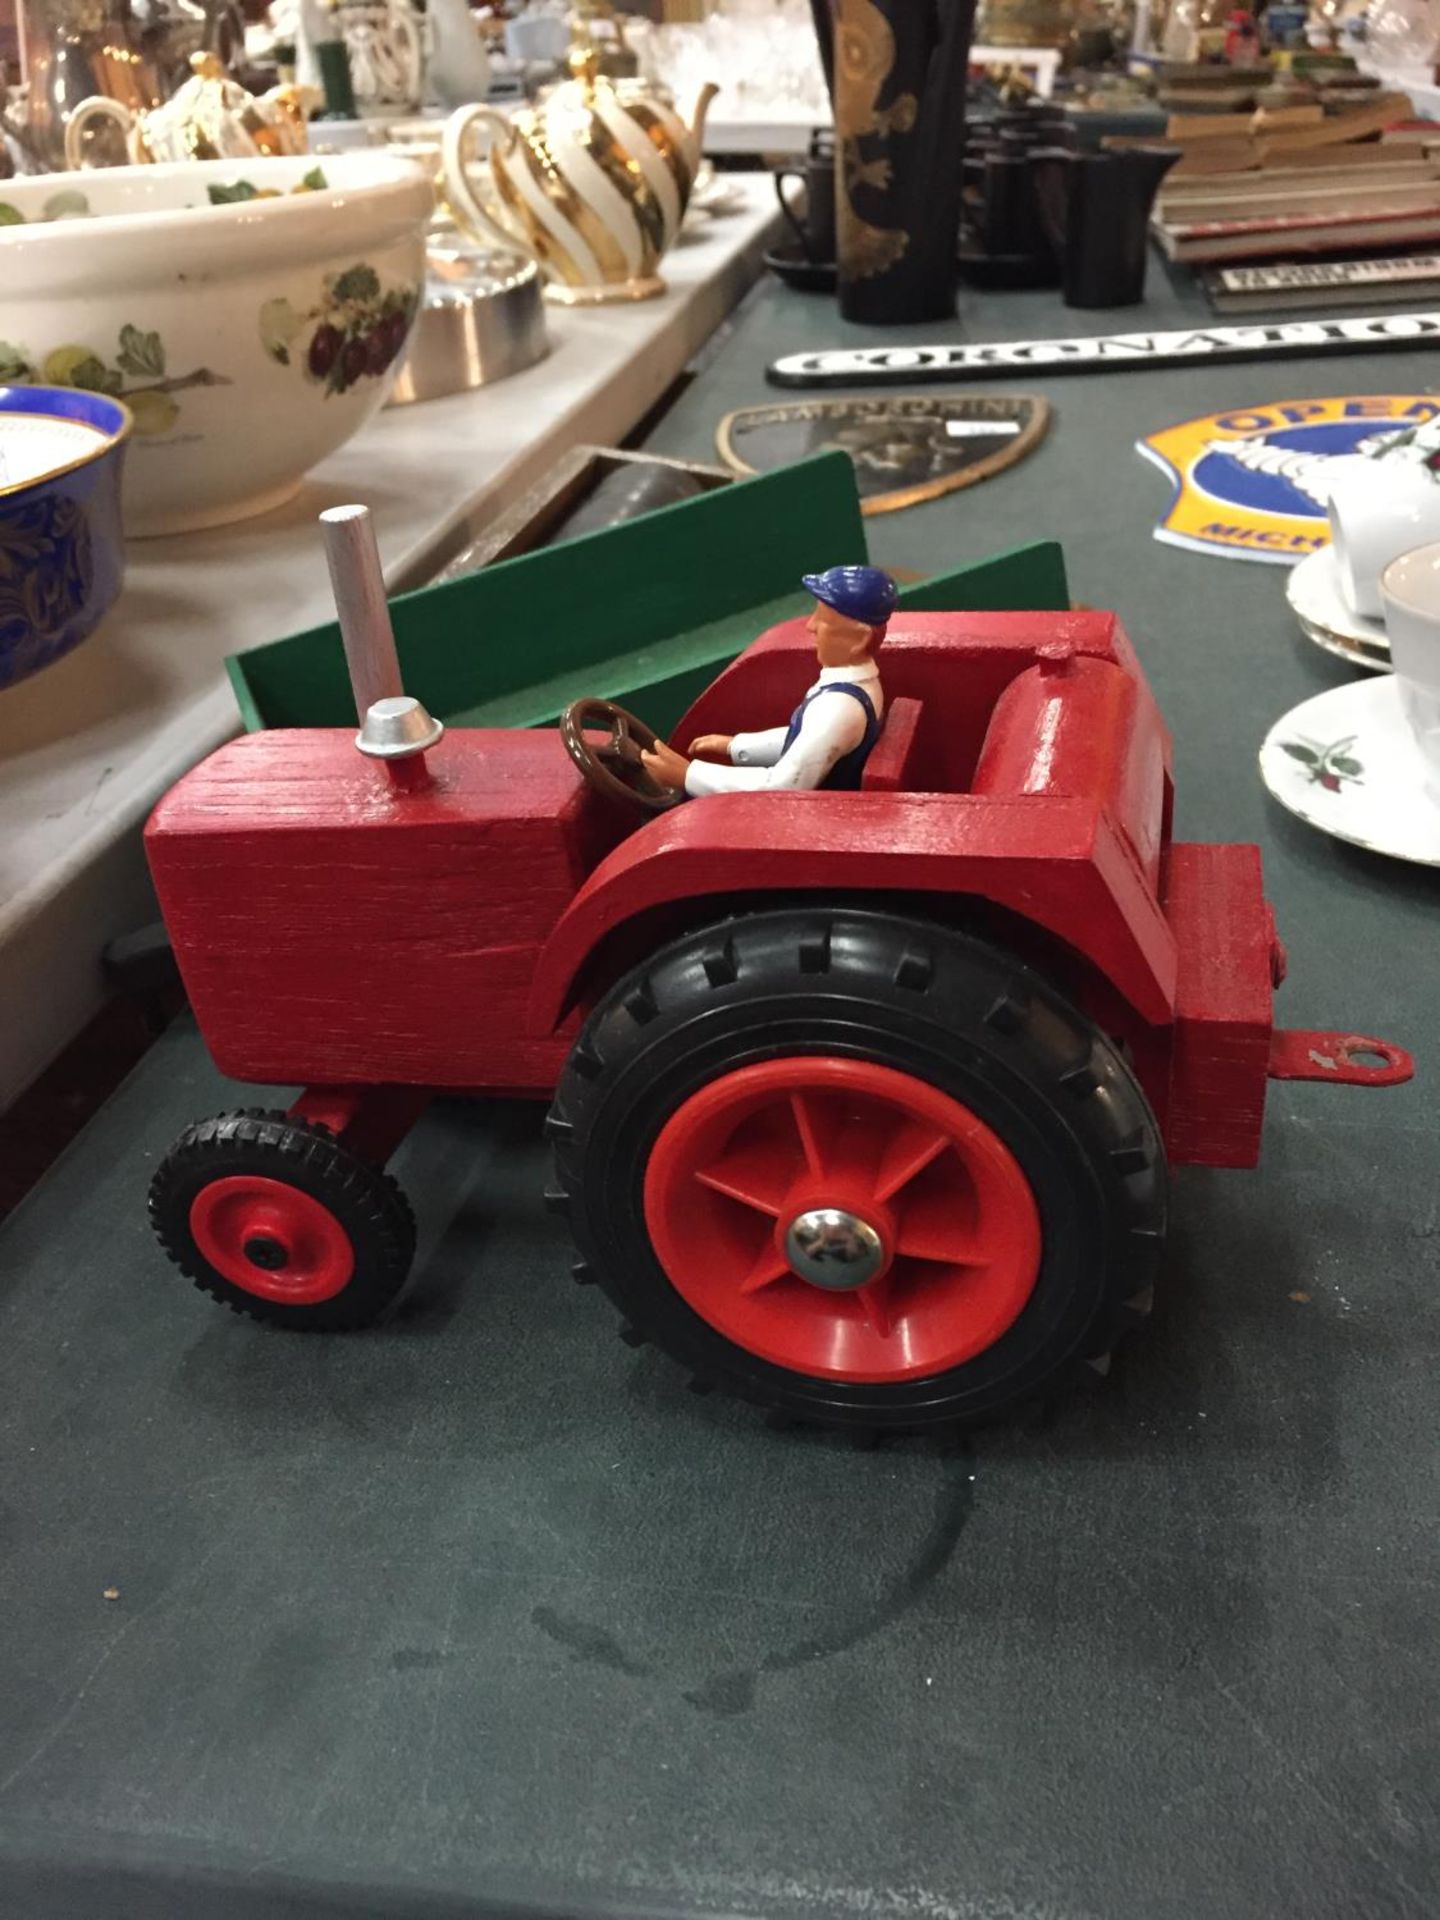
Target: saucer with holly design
(1347,763)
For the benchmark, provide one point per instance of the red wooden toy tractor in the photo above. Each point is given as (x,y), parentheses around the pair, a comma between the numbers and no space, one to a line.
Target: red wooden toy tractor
(862,1102)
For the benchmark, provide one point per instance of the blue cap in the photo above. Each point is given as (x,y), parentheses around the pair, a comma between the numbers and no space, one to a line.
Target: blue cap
(860,593)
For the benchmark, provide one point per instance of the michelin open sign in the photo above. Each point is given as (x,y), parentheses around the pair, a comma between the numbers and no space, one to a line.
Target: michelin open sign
(1253,482)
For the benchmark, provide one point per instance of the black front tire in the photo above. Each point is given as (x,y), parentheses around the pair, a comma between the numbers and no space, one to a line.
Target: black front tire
(938,1004)
(365,1202)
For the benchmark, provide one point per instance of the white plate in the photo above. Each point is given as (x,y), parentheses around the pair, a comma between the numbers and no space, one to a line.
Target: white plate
(35,445)
(714,193)
(1313,590)
(1347,763)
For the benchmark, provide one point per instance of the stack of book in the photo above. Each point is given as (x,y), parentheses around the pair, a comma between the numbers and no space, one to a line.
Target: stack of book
(1329,82)
(1285,188)
(1210,86)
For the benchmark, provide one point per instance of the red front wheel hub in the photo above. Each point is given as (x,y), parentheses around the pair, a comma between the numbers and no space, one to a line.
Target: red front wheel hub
(272,1240)
(842,1219)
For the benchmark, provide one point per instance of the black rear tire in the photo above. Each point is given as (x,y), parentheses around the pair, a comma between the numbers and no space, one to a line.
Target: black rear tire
(366,1204)
(937,1004)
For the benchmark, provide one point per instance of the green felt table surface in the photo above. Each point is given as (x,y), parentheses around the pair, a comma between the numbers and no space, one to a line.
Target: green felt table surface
(482,1612)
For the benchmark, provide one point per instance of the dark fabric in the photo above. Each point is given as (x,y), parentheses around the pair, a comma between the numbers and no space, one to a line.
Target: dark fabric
(844,776)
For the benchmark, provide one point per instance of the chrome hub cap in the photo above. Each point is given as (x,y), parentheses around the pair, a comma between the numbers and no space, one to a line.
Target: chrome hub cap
(833,1249)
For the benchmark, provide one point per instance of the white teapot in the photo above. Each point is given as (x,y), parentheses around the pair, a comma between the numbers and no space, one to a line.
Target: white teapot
(592,183)
(211,117)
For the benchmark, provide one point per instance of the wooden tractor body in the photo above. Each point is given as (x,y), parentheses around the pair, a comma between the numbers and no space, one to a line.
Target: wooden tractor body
(862,1102)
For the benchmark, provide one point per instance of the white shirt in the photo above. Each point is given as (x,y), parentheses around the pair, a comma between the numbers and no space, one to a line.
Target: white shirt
(832,727)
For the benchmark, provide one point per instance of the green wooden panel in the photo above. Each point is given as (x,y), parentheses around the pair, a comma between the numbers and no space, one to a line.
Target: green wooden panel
(694,657)
(648,604)
(1026,579)
(249,711)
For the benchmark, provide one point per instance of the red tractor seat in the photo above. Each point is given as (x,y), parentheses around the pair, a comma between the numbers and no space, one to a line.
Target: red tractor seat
(894,761)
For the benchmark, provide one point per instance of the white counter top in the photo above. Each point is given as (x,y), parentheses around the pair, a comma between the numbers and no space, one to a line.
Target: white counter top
(88,746)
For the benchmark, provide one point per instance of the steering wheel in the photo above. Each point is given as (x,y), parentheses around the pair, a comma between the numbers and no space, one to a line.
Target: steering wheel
(614,767)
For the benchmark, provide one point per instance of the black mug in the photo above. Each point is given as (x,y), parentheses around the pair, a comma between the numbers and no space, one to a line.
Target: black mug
(1095,210)
(816,233)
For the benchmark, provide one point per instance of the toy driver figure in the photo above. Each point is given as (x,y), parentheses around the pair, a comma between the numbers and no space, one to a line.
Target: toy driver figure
(833,729)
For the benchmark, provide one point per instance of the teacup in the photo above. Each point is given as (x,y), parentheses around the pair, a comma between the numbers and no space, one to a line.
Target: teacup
(1410,589)
(1378,510)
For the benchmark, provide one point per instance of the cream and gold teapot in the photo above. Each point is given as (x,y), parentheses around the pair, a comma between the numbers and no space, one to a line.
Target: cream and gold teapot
(211,117)
(592,183)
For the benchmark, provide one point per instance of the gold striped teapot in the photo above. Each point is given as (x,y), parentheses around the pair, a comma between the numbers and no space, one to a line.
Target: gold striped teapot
(592,183)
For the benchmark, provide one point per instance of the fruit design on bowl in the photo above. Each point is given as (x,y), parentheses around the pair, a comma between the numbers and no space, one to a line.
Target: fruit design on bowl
(253,318)
(68,204)
(133,371)
(356,330)
(61,551)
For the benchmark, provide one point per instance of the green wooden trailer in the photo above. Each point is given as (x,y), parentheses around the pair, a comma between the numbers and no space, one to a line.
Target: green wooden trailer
(645,613)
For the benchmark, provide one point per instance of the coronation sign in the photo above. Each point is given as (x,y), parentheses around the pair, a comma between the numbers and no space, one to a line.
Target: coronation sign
(1292,340)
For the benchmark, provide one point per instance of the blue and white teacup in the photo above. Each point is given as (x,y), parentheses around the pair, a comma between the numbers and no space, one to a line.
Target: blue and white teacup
(62,553)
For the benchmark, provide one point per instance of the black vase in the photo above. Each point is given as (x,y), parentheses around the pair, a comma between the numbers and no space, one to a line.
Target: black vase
(900,70)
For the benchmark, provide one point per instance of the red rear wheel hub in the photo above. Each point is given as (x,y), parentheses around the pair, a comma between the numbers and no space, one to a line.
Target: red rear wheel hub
(272,1240)
(842,1219)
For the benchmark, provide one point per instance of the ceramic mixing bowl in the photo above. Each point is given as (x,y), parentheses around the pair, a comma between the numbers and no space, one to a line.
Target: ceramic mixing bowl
(250,313)
(62,557)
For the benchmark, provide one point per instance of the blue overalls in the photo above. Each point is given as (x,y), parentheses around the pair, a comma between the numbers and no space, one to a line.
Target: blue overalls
(844,776)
